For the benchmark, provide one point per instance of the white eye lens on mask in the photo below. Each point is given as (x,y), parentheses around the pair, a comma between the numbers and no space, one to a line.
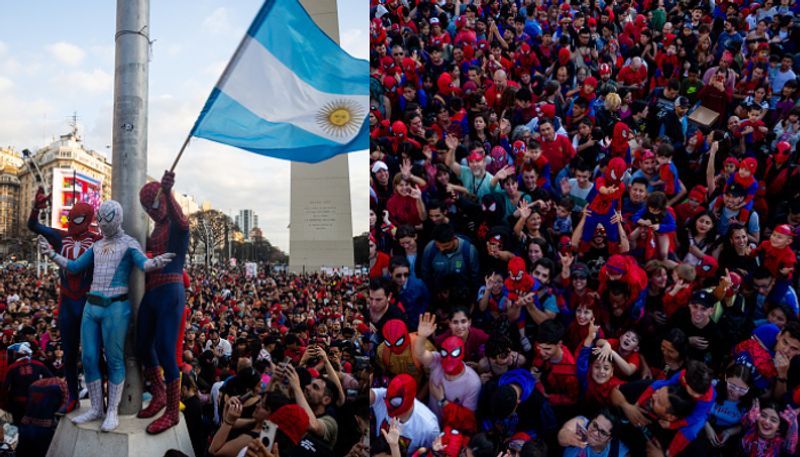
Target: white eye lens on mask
(78,220)
(396,402)
(456,352)
(400,341)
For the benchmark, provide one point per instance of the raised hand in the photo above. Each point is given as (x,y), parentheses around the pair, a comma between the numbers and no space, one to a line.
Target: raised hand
(168,181)
(44,246)
(405,168)
(41,200)
(427,325)
(451,141)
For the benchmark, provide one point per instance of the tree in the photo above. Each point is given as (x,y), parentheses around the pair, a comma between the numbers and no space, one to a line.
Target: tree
(208,229)
(361,248)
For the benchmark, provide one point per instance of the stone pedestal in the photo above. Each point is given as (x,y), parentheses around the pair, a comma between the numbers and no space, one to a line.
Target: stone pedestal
(129,439)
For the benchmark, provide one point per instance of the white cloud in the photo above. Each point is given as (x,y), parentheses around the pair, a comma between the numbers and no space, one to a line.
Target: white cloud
(5,84)
(218,21)
(103,52)
(353,41)
(3,48)
(66,53)
(94,82)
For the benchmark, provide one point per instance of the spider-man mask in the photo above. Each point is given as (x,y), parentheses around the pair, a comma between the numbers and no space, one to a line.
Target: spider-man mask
(452,353)
(782,153)
(453,442)
(147,196)
(615,170)
(400,395)
(395,335)
(80,218)
(516,268)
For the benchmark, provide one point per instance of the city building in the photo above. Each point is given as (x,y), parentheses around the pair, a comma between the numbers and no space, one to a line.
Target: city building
(10,165)
(247,220)
(68,169)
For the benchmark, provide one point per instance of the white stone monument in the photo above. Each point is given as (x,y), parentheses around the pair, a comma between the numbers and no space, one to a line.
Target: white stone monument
(321,228)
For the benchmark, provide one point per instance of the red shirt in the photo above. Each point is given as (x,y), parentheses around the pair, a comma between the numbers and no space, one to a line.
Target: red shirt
(377,270)
(776,259)
(403,210)
(560,379)
(558,152)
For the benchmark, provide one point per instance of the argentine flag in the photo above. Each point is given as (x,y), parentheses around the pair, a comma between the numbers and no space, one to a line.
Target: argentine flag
(289,91)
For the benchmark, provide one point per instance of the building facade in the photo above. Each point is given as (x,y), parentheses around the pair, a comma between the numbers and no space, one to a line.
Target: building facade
(10,165)
(69,155)
(247,220)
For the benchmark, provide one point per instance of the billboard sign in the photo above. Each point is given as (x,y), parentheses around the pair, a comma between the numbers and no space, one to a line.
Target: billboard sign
(70,187)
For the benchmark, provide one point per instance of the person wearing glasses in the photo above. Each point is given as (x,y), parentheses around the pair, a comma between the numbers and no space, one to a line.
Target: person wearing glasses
(583,437)
(734,398)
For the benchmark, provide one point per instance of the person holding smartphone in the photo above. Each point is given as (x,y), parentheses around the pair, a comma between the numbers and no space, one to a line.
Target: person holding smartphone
(316,397)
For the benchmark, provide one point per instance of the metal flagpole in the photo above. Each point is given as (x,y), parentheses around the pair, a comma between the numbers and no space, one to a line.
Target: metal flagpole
(130,158)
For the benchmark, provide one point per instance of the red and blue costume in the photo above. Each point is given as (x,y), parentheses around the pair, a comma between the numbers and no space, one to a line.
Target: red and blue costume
(162,307)
(603,204)
(690,426)
(71,243)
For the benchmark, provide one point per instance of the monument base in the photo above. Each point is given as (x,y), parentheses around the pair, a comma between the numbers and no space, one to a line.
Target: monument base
(128,440)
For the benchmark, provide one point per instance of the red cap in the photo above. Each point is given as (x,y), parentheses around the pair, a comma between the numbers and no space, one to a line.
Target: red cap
(750,164)
(548,110)
(785,229)
(605,69)
(292,420)
(617,264)
(590,81)
(698,193)
(732,160)
(592,22)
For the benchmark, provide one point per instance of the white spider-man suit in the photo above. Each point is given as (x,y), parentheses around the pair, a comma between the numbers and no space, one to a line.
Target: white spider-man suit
(108,311)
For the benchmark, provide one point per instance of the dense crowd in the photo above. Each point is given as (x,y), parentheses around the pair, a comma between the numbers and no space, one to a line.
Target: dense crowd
(583,227)
(289,349)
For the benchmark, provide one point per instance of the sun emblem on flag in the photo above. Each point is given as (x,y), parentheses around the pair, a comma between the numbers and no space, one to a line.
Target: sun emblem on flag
(340,118)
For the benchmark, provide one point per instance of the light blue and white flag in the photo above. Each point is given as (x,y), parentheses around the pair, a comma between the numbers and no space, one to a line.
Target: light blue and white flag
(289,91)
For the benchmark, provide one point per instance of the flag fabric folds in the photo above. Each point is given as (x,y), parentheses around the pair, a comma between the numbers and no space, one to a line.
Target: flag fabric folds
(289,91)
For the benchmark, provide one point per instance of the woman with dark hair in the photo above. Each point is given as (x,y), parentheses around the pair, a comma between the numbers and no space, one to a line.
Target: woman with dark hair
(699,239)
(537,248)
(674,348)
(734,254)
(460,325)
(734,395)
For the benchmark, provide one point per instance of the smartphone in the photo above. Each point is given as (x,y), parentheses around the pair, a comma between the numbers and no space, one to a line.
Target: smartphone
(581,431)
(283,365)
(246,396)
(267,435)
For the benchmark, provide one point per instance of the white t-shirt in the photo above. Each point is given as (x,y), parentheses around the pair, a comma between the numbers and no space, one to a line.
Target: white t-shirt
(419,431)
(227,349)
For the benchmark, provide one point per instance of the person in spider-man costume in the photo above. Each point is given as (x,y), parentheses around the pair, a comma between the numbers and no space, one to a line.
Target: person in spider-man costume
(519,282)
(70,243)
(162,307)
(605,199)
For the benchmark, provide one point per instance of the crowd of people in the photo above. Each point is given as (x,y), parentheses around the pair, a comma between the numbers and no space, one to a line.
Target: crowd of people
(274,348)
(583,227)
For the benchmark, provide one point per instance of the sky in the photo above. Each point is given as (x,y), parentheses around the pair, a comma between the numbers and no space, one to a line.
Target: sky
(57,58)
